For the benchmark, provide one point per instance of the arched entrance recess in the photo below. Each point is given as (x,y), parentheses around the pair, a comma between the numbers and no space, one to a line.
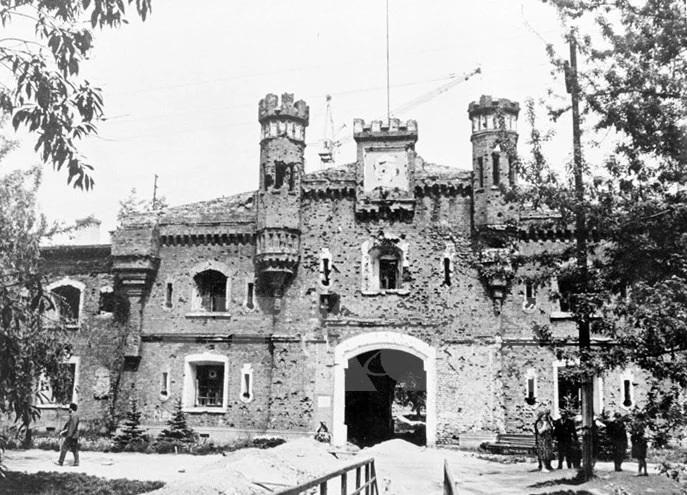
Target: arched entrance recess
(359,344)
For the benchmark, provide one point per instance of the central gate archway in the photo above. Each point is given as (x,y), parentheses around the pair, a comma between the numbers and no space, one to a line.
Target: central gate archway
(380,341)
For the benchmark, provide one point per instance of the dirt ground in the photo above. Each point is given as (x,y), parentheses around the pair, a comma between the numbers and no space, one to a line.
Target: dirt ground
(402,469)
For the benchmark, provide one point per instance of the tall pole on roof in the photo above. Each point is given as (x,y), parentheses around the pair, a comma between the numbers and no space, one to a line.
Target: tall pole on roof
(388,99)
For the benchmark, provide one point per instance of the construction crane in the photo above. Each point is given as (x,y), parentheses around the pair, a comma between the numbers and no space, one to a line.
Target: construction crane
(329,143)
(455,80)
(420,100)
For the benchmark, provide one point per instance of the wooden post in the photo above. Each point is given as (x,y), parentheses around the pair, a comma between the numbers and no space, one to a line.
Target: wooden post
(344,482)
(581,258)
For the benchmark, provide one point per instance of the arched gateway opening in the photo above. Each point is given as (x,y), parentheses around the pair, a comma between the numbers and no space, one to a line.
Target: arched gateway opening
(382,380)
(385,397)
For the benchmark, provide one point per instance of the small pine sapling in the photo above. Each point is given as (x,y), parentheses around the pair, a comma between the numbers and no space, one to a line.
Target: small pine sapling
(178,429)
(132,436)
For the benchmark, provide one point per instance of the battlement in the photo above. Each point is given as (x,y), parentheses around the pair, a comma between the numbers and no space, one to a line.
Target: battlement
(393,128)
(271,107)
(488,105)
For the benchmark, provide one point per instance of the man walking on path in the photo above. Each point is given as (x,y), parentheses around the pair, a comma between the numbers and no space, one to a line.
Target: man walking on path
(71,436)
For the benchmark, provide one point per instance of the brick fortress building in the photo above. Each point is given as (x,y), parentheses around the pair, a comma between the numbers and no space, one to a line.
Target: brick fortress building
(320,297)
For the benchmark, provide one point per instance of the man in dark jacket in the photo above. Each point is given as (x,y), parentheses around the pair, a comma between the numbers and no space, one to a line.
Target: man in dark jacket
(618,436)
(566,438)
(71,436)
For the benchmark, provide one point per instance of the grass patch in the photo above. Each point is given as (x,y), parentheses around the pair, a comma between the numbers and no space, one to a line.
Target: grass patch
(43,483)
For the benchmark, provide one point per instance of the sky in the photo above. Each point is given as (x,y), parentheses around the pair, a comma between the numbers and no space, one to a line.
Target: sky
(182,88)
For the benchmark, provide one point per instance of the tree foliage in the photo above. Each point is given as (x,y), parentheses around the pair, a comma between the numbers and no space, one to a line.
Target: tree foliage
(46,93)
(134,208)
(30,345)
(633,83)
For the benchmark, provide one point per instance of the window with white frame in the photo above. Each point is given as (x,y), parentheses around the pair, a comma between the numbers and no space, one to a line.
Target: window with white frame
(206,383)
(67,383)
(383,265)
(66,296)
(567,388)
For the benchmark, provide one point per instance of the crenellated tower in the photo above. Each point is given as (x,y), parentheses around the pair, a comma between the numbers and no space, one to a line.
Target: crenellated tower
(385,168)
(494,140)
(282,146)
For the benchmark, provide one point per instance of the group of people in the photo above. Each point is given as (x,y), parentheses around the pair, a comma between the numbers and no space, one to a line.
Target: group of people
(559,438)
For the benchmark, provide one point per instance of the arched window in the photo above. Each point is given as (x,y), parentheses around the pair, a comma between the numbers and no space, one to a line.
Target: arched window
(210,291)
(67,298)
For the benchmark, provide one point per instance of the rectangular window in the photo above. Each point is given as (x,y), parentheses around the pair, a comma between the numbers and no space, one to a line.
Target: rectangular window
(569,389)
(511,171)
(164,388)
(531,398)
(209,385)
(59,391)
(627,393)
(480,171)
(566,291)
(496,168)
(447,272)
(250,295)
(169,291)
(388,273)
(106,303)
(325,272)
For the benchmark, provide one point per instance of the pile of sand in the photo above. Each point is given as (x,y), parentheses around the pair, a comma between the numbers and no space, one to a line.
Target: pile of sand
(391,447)
(258,471)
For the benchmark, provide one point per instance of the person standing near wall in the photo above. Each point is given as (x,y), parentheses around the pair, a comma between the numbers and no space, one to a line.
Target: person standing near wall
(618,436)
(71,436)
(543,435)
(639,445)
(566,438)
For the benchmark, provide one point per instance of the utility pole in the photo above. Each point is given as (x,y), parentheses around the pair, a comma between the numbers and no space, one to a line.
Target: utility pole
(155,193)
(573,88)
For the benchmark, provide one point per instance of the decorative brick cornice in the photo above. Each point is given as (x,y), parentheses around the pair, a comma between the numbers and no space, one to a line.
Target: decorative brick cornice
(208,238)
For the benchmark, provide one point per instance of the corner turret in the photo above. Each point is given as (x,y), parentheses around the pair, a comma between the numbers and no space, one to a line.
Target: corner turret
(494,141)
(282,148)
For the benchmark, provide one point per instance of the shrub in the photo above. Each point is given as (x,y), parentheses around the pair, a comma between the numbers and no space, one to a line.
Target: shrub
(266,442)
(132,438)
(178,429)
(72,484)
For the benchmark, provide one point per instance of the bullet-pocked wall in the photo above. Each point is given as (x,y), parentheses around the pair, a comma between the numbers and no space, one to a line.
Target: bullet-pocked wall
(239,305)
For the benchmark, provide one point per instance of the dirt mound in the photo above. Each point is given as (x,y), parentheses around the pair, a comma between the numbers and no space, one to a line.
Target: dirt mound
(258,471)
(395,446)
